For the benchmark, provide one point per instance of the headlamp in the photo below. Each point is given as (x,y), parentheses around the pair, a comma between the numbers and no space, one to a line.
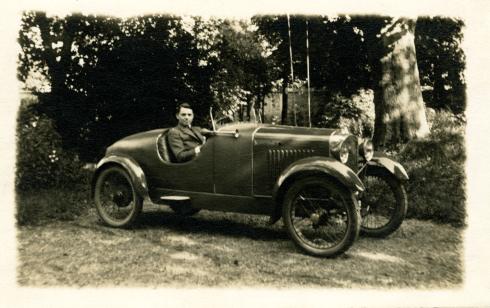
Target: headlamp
(344,153)
(367,149)
(341,146)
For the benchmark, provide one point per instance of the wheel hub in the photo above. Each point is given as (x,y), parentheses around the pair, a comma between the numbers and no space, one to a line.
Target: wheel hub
(121,198)
(315,218)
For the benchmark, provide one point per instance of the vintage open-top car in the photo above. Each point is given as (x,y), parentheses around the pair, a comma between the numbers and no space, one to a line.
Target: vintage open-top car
(325,184)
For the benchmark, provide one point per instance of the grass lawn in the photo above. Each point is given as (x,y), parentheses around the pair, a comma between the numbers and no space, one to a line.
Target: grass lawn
(213,249)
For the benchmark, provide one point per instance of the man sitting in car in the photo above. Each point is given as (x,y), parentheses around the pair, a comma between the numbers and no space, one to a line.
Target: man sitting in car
(184,140)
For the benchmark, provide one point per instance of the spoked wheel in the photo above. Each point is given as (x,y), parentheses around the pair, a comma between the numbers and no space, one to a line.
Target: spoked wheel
(321,217)
(383,203)
(116,201)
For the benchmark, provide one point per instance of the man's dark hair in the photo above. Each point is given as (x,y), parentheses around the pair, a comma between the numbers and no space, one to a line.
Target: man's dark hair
(182,105)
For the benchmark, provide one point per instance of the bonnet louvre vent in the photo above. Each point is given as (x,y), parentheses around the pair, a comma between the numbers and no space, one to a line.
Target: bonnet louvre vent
(280,159)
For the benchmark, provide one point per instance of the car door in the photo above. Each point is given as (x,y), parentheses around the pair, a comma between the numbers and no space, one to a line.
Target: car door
(195,175)
(233,161)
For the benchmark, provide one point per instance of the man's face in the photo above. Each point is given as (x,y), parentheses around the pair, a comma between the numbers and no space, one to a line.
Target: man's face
(185,116)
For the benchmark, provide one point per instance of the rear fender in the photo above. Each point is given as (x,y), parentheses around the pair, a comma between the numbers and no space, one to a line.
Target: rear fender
(389,164)
(323,166)
(134,170)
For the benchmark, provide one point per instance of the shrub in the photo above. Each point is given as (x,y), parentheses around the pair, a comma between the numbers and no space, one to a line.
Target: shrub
(356,113)
(50,182)
(41,160)
(436,189)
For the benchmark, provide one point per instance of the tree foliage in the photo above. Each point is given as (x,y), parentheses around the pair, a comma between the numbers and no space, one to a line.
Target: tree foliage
(110,77)
(441,62)
(136,85)
(243,71)
(347,52)
(106,77)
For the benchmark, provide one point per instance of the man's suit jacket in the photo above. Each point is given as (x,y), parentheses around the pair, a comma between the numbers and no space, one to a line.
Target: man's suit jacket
(182,140)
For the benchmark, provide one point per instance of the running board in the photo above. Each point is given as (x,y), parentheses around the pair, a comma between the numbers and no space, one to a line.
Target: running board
(175,198)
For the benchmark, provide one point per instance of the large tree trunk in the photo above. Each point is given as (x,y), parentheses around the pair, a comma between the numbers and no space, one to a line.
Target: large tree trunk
(399,107)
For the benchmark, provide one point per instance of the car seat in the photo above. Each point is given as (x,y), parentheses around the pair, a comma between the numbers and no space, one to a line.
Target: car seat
(163,148)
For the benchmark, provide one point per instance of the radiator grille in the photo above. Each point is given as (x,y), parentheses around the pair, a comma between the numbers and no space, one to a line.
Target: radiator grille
(280,159)
(353,153)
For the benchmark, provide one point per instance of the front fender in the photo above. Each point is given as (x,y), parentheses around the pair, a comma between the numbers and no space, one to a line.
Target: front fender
(389,164)
(134,170)
(320,165)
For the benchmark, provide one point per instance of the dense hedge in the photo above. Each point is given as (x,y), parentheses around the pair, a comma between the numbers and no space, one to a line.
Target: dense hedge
(41,160)
(356,113)
(50,182)
(436,166)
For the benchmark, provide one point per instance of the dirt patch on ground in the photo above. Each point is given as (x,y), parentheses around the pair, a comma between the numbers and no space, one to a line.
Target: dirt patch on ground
(229,250)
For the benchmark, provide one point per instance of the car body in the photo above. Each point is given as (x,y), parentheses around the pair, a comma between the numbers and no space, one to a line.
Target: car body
(242,167)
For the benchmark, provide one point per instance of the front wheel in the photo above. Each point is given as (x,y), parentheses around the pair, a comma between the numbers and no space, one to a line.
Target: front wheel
(116,200)
(321,216)
(383,203)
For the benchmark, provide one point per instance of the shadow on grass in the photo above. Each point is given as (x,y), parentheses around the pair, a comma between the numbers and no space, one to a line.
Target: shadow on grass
(210,223)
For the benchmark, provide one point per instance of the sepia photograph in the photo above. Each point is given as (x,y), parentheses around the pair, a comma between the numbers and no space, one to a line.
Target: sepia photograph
(258,153)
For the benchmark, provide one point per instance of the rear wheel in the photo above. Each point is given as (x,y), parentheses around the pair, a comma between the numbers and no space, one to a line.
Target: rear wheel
(383,203)
(116,200)
(321,216)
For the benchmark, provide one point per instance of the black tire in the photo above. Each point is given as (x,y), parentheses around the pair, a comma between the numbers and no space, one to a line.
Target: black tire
(321,216)
(383,203)
(183,208)
(116,201)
